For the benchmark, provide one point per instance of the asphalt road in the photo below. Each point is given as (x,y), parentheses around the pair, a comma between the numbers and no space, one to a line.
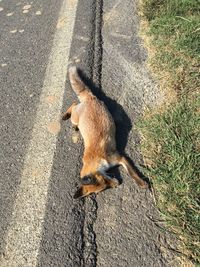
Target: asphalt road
(40,158)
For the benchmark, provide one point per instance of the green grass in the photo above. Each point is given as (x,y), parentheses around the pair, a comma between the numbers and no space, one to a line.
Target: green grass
(170,139)
(175,27)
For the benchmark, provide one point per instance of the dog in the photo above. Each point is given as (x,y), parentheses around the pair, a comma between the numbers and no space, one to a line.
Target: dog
(96,125)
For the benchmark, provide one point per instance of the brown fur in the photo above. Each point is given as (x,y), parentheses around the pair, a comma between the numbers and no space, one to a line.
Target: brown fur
(97,128)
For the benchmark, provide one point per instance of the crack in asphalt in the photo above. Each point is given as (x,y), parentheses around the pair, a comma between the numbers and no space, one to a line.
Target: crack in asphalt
(90,246)
(91,205)
(98,45)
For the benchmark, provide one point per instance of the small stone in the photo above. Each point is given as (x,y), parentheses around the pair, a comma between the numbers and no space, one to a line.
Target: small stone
(75,138)
(9,14)
(38,13)
(26,7)
(13,31)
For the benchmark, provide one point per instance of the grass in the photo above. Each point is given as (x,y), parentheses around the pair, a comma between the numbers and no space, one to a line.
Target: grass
(170,142)
(170,138)
(175,27)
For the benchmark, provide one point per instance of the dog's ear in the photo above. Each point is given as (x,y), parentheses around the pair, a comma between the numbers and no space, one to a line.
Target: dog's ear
(89,179)
(79,193)
(85,190)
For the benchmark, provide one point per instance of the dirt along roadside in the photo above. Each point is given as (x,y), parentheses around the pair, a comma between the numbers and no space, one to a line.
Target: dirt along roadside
(127,227)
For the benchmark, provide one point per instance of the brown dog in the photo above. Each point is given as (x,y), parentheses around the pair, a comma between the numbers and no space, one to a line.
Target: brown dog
(97,128)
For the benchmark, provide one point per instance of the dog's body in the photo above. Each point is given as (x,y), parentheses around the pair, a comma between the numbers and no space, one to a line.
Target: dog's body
(97,128)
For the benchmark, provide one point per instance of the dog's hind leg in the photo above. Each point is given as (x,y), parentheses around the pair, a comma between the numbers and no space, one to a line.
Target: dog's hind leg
(69,111)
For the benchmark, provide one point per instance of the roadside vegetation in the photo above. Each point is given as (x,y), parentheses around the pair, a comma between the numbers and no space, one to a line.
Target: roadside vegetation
(170,134)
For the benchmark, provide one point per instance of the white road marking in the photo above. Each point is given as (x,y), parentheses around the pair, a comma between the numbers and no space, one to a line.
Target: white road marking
(24,234)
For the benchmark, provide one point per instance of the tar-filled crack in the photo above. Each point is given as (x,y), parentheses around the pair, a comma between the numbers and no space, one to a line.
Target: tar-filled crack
(98,45)
(91,206)
(81,208)
(90,246)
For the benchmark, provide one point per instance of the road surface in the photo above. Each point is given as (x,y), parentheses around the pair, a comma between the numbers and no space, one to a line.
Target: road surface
(40,157)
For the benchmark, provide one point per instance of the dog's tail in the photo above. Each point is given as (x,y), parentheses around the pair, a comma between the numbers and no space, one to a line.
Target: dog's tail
(127,166)
(79,87)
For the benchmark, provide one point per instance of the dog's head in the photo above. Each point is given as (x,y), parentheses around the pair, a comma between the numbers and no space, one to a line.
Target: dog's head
(94,183)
